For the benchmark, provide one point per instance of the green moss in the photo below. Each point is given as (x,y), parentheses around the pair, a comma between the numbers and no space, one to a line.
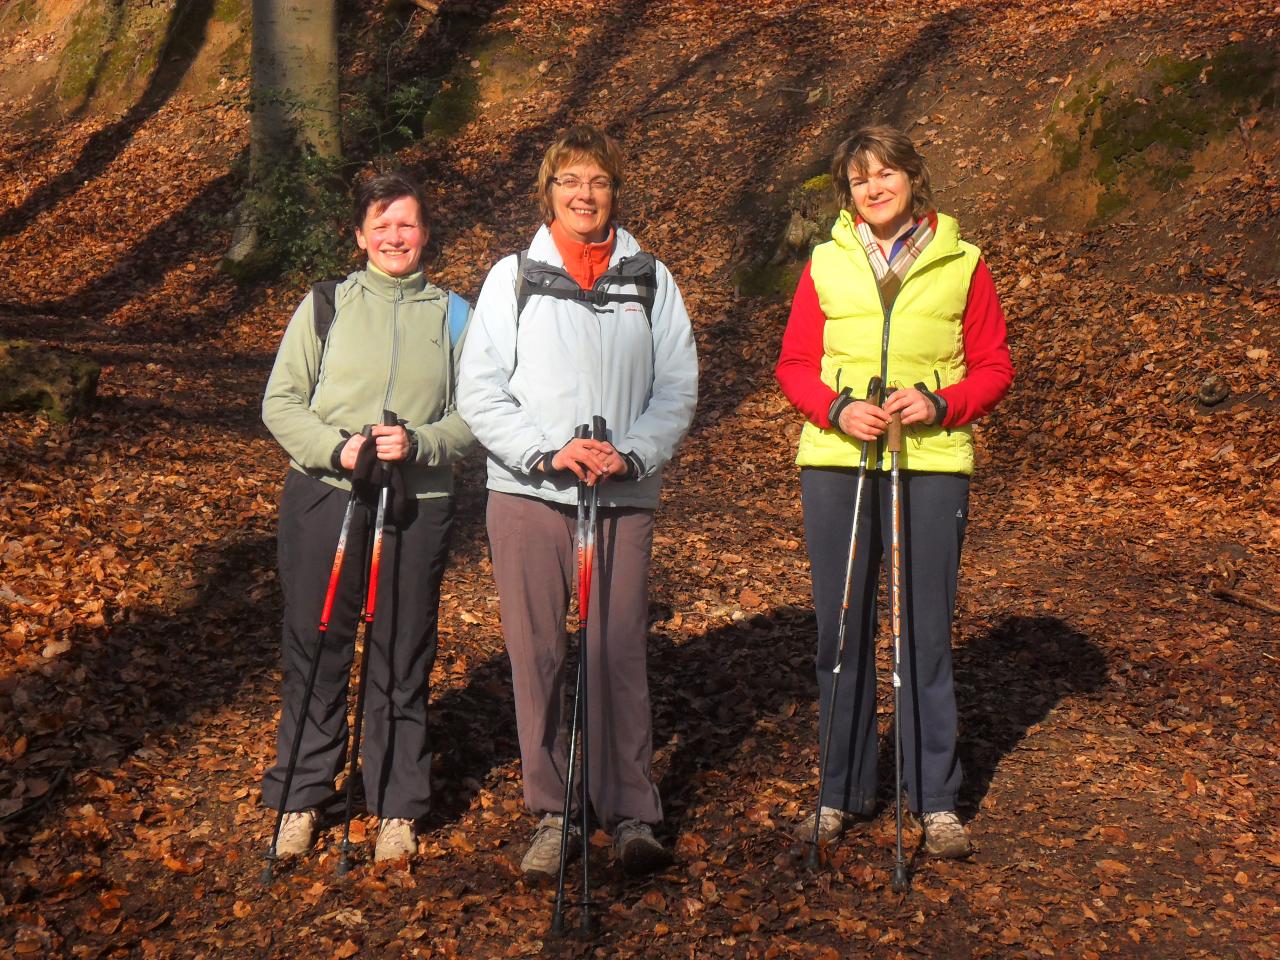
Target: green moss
(819,184)
(772,280)
(54,382)
(86,50)
(452,108)
(228,11)
(116,44)
(1119,126)
(1111,202)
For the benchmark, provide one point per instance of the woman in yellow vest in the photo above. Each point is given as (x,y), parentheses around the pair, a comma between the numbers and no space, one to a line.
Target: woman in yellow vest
(895,294)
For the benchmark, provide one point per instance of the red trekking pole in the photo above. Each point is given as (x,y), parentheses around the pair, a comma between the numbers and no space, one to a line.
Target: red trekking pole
(310,686)
(370,607)
(588,500)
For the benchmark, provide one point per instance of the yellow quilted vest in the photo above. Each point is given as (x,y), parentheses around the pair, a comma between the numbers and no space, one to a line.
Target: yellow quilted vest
(926,342)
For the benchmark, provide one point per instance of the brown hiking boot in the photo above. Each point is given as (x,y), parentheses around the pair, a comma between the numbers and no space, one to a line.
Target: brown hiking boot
(638,849)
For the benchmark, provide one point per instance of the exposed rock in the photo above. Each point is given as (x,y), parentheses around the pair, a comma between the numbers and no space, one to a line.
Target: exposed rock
(55,382)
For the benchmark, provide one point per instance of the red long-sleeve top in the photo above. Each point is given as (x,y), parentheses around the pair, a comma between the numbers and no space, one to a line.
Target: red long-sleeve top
(989,371)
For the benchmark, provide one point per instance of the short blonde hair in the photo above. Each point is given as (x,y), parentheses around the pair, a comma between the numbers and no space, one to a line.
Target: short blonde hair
(889,146)
(576,145)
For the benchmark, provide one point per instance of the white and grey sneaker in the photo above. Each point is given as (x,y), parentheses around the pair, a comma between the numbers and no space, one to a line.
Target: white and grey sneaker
(297,833)
(945,835)
(831,824)
(542,859)
(396,839)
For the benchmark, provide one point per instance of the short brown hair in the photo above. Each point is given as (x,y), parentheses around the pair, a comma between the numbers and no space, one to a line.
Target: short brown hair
(889,146)
(380,191)
(574,146)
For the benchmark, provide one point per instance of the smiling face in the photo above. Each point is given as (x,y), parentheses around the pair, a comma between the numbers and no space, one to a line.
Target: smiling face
(394,237)
(585,205)
(882,197)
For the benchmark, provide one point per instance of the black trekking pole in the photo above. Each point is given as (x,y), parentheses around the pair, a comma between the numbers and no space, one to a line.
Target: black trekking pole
(873,397)
(901,878)
(370,606)
(585,540)
(309,688)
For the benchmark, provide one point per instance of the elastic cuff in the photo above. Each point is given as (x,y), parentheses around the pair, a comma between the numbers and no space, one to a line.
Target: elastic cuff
(842,400)
(635,466)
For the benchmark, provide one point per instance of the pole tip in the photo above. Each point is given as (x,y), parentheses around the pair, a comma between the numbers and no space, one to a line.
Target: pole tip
(813,860)
(901,881)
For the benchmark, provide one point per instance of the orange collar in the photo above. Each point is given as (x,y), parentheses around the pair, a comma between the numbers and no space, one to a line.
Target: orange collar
(585,262)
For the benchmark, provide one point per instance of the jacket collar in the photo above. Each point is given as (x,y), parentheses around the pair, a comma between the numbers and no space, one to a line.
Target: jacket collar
(389,288)
(543,247)
(945,242)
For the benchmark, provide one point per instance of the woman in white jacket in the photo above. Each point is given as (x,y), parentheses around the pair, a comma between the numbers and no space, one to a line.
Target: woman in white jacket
(581,325)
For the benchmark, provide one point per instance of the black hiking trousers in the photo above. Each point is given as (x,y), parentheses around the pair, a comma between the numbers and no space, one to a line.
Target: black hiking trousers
(935,509)
(395,752)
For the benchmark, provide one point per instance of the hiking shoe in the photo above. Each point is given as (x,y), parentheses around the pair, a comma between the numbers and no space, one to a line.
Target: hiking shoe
(395,840)
(297,833)
(638,849)
(945,835)
(830,825)
(542,859)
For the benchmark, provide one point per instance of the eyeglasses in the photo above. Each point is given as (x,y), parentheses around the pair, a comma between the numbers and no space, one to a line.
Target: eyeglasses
(595,185)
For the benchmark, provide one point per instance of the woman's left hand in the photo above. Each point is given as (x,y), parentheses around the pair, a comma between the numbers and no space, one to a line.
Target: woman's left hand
(392,441)
(615,465)
(912,404)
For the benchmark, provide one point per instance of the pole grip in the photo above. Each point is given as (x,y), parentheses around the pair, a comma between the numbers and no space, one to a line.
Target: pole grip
(894,438)
(581,432)
(598,430)
(873,391)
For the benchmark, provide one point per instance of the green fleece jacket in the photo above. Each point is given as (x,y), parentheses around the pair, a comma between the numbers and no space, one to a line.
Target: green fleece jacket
(387,348)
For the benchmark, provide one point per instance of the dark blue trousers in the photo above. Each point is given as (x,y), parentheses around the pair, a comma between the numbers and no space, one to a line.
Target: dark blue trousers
(935,511)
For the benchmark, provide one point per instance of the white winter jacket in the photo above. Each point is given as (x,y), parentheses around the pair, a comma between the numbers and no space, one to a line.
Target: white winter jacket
(525,383)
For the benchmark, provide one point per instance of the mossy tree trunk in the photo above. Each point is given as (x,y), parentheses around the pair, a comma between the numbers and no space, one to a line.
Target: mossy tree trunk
(294,102)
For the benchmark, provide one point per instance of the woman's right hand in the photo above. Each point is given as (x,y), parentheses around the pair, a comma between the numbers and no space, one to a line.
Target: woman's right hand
(587,458)
(863,421)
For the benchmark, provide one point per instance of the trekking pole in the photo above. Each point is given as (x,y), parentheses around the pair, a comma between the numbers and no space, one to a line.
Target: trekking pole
(557,915)
(370,606)
(901,878)
(813,860)
(586,567)
(309,688)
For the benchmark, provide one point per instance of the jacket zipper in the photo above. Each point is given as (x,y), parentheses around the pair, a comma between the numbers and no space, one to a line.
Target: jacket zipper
(395,344)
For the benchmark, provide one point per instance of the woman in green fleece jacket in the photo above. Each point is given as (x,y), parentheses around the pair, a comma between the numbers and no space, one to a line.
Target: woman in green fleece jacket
(387,347)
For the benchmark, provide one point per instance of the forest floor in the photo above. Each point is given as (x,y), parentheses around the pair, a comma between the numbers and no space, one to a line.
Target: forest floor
(1115,640)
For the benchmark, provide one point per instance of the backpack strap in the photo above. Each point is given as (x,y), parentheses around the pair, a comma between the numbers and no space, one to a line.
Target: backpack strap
(459,313)
(638,270)
(322,308)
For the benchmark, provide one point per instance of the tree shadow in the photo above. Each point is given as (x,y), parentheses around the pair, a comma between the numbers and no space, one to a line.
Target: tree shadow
(150,672)
(75,316)
(184,35)
(1007,681)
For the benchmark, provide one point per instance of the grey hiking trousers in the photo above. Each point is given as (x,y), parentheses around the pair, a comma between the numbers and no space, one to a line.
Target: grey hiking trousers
(935,513)
(535,564)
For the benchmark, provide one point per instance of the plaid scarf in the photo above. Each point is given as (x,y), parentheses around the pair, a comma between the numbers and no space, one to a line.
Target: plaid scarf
(889,276)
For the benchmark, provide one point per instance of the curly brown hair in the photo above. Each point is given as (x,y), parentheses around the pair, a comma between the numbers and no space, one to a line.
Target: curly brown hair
(888,146)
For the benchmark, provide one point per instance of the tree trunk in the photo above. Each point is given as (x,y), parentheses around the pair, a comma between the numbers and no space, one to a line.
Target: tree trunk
(293,96)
